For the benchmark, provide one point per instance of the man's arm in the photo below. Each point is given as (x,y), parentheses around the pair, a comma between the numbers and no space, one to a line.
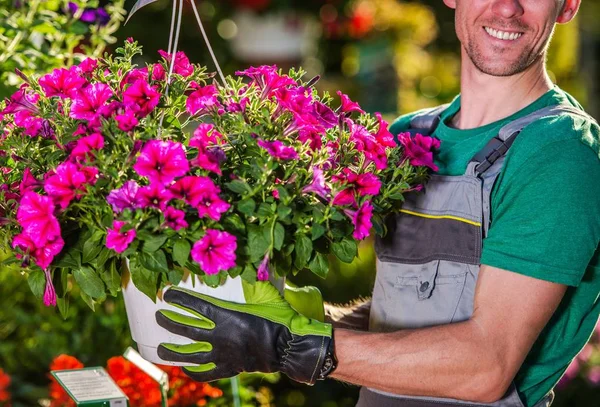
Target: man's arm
(353,316)
(474,360)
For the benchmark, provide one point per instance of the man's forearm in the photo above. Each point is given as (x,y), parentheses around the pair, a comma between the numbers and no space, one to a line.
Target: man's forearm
(353,316)
(449,361)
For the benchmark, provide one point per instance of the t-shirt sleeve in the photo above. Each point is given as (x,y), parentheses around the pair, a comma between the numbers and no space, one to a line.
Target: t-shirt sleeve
(401,124)
(546,211)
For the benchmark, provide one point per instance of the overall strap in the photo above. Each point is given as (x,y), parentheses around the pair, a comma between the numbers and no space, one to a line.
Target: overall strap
(499,145)
(426,121)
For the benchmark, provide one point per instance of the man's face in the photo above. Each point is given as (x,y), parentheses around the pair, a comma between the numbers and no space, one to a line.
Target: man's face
(505,37)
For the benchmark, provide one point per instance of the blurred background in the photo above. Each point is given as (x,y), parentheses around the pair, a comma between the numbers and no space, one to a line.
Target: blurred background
(391,56)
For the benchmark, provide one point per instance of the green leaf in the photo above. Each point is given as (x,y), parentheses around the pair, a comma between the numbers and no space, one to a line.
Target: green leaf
(37,283)
(246,206)
(101,259)
(249,274)
(319,265)
(257,242)
(397,196)
(71,259)
(379,225)
(181,251)
(264,211)
(346,250)
(111,278)
(303,249)
(211,280)
(91,250)
(88,300)
(283,211)
(278,236)
(283,194)
(89,281)
(153,243)
(337,215)
(156,261)
(317,231)
(63,306)
(144,280)
(175,275)
(238,186)
(234,223)
(236,271)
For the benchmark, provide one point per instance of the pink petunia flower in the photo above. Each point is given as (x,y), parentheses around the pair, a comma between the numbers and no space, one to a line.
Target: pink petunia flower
(175,218)
(28,183)
(419,149)
(348,105)
(162,161)
(278,150)
(158,73)
(88,101)
(124,197)
(267,79)
(88,65)
(363,184)
(134,75)
(191,188)
(142,95)
(313,138)
(42,255)
(66,183)
(361,219)
(85,146)
(154,196)
(368,144)
(215,251)
(317,185)
(210,159)
(62,82)
(212,205)
(182,63)
(36,217)
(203,101)
(22,100)
(263,269)
(117,240)
(383,136)
(205,135)
(126,121)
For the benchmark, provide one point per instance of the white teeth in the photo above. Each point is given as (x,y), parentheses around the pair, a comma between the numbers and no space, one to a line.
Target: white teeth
(502,35)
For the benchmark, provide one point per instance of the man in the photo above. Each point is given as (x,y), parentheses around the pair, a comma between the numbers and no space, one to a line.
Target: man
(487,284)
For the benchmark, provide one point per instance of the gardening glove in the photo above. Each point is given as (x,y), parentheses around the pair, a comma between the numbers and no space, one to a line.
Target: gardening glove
(264,335)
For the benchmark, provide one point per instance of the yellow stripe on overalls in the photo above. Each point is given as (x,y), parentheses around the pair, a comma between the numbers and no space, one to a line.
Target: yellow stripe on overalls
(423,215)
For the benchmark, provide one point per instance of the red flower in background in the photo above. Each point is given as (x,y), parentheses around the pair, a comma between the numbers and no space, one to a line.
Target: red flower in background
(58,395)
(4,393)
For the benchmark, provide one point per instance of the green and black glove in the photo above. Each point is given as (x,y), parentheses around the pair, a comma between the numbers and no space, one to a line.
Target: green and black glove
(264,335)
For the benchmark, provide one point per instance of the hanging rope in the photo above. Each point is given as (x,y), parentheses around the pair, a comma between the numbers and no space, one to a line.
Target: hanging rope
(212,54)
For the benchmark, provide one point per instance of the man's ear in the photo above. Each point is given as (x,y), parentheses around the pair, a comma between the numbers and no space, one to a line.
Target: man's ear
(568,11)
(450,3)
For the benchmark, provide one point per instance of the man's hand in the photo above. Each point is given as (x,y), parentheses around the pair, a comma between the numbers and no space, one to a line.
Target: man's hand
(265,335)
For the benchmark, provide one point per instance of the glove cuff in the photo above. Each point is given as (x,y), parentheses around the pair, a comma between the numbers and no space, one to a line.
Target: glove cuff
(304,357)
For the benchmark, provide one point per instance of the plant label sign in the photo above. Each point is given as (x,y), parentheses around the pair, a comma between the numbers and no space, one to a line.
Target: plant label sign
(91,387)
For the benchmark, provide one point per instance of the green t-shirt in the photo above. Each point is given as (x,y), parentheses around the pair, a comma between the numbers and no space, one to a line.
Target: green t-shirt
(545,221)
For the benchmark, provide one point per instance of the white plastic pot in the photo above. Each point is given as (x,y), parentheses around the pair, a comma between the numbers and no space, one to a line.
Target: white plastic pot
(141,313)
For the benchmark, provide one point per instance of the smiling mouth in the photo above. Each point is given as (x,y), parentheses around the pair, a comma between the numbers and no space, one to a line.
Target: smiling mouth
(503,35)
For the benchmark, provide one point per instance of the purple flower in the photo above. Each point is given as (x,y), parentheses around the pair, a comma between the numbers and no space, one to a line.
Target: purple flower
(278,150)
(182,63)
(348,105)
(154,196)
(419,149)
(62,82)
(124,197)
(263,269)
(142,95)
(117,240)
(325,115)
(215,251)
(318,184)
(203,101)
(87,102)
(175,218)
(162,161)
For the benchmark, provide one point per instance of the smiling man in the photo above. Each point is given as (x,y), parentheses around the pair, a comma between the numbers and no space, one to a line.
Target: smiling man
(488,280)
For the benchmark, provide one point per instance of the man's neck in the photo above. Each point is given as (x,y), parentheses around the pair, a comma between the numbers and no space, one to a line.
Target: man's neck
(485,99)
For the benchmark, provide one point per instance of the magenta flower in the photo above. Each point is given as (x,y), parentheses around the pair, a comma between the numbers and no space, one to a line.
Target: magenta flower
(348,105)
(383,136)
(368,144)
(124,197)
(41,255)
(137,74)
(34,126)
(318,184)
(205,135)
(117,240)
(66,183)
(182,63)
(90,174)
(203,101)
(36,217)
(361,219)
(326,117)
(363,184)
(313,138)
(49,291)
(22,100)
(419,149)
(263,269)
(175,218)
(215,251)
(162,161)
(142,95)
(87,102)
(62,82)
(126,121)
(278,150)
(29,182)
(88,65)
(158,73)
(85,146)
(267,79)
(212,205)
(154,196)
(210,159)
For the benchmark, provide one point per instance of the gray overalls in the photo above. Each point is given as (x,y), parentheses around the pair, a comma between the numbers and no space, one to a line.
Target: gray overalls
(428,263)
